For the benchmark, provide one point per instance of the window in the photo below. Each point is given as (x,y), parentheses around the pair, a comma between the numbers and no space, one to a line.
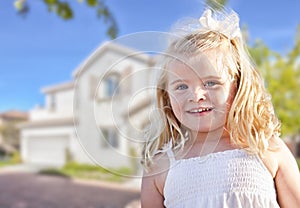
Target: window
(112,85)
(52,102)
(93,86)
(109,86)
(109,138)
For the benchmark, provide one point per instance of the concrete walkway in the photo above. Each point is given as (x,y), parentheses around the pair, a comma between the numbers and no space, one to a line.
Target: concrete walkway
(22,187)
(23,168)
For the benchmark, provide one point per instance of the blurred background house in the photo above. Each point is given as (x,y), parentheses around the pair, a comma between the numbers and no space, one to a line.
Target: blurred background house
(97,117)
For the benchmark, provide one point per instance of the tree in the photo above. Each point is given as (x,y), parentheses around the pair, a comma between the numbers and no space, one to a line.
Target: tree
(216,4)
(64,10)
(10,134)
(282,79)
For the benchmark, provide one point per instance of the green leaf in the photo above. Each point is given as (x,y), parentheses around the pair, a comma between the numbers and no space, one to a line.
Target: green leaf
(92,3)
(49,2)
(216,4)
(64,11)
(112,32)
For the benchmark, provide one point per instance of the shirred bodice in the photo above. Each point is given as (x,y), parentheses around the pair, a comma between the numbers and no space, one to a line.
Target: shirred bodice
(232,178)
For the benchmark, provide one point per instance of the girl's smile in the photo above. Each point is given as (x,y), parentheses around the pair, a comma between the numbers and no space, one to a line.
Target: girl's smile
(200,111)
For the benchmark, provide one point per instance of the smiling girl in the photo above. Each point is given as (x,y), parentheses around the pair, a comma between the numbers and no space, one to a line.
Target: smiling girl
(219,145)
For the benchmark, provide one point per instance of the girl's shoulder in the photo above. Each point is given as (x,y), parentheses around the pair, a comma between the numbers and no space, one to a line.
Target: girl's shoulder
(152,182)
(287,178)
(277,154)
(158,170)
(284,156)
(160,162)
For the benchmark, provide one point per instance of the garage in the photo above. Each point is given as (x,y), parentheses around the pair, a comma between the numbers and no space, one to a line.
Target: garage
(47,150)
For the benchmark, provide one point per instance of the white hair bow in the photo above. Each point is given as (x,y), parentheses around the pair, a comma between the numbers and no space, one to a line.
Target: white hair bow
(228,26)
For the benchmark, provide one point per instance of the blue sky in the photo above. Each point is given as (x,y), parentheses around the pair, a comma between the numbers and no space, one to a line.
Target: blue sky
(41,49)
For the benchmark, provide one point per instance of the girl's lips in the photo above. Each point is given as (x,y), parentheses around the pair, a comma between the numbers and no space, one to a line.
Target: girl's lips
(200,110)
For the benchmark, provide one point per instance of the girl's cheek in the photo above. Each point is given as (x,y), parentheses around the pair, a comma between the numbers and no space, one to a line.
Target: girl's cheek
(176,108)
(178,98)
(175,103)
(221,98)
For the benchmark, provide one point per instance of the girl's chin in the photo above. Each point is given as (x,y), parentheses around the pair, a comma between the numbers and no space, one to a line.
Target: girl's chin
(204,129)
(200,130)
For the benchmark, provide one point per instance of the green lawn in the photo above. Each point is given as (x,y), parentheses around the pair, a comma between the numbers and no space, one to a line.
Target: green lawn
(10,160)
(4,163)
(75,170)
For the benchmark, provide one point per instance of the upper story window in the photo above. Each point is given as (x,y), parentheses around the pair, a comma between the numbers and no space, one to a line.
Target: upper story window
(109,86)
(52,102)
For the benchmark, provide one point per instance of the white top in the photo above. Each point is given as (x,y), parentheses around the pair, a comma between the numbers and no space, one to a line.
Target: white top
(232,178)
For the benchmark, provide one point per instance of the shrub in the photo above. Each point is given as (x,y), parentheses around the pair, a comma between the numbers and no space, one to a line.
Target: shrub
(16,158)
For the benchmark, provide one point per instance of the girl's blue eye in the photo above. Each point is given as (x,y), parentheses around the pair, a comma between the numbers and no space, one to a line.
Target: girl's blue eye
(182,87)
(210,83)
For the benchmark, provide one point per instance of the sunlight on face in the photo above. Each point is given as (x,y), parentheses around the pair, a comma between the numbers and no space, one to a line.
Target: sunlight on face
(200,91)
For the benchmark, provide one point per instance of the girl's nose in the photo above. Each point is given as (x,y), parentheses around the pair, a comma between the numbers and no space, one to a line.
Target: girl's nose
(198,95)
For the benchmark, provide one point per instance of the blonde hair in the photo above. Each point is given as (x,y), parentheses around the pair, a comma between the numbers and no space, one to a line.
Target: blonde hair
(251,120)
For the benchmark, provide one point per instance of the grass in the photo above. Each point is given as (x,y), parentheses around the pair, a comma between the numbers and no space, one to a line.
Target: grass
(84,171)
(13,159)
(4,163)
(298,161)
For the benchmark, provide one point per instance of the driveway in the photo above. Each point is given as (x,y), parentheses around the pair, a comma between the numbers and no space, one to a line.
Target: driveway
(32,190)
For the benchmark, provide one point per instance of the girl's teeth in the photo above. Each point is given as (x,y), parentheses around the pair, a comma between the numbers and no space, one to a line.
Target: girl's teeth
(200,110)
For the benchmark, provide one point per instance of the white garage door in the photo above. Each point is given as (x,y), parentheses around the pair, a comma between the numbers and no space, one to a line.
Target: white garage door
(47,150)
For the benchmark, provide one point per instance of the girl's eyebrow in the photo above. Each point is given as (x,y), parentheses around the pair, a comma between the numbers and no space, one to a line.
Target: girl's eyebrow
(203,78)
(211,77)
(177,81)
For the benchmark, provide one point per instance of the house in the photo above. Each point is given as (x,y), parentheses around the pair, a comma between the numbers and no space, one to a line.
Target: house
(97,117)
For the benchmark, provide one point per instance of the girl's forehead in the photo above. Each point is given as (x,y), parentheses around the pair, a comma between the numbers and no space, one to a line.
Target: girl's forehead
(206,64)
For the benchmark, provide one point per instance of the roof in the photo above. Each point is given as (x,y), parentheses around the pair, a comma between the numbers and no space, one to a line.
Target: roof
(14,115)
(110,46)
(58,87)
(102,49)
(47,123)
